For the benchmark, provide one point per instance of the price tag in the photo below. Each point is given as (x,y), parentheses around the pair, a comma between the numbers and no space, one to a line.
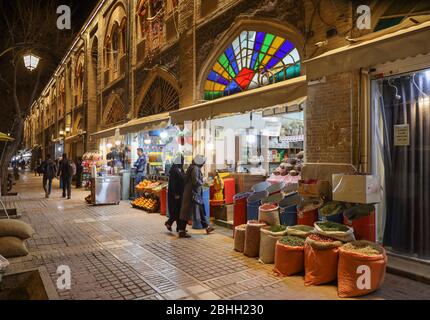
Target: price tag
(401,135)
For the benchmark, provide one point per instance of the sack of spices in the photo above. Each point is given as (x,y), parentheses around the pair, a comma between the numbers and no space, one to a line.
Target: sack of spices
(321,259)
(300,231)
(268,238)
(335,230)
(289,258)
(239,238)
(269,214)
(362,267)
(252,238)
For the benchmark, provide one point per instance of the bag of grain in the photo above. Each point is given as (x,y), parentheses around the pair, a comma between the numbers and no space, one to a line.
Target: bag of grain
(268,238)
(289,258)
(239,238)
(362,267)
(269,214)
(252,238)
(299,230)
(12,247)
(335,230)
(321,259)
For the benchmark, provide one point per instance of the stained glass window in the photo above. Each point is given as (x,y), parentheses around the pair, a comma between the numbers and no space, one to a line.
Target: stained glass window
(252,60)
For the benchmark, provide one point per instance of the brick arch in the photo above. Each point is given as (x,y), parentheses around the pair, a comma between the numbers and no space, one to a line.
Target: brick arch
(287,31)
(114,112)
(159,76)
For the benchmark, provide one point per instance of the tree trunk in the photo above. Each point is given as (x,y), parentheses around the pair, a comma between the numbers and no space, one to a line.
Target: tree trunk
(11,149)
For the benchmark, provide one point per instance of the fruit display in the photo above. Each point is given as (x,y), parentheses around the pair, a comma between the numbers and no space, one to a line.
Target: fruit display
(147,185)
(148,203)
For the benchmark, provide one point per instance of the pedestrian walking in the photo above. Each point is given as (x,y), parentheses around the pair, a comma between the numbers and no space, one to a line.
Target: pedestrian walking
(66,172)
(192,203)
(175,191)
(79,171)
(49,170)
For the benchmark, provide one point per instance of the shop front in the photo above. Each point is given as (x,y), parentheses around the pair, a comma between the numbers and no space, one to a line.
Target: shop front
(393,72)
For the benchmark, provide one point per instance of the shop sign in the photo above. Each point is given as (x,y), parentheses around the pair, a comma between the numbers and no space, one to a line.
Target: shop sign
(401,135)
(272,129)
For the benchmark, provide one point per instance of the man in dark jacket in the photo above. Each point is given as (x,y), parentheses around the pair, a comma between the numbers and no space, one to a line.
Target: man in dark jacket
(79,171)
(175,191)
(65,171)
(192,203)
(49,170)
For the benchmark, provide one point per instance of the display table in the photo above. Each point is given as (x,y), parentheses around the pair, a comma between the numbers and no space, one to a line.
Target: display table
(245,181)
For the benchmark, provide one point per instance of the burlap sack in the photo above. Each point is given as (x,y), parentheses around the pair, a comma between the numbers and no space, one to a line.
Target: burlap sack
(12,247)
(15,228)
(252,239)
(294,231)
(268,241)
(239,238)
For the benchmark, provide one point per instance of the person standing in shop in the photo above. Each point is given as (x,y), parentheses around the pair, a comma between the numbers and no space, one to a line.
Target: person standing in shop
(140,166)
(79,171)
(49,170)
(65,171)
(192,203)
(175,192)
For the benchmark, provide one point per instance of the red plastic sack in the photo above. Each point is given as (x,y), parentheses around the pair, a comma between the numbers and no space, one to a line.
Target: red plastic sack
(360,274)
(289,260)
(321,260)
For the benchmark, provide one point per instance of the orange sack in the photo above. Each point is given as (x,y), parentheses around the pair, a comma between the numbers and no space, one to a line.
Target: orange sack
(362,267)
(321,259)
(289,260)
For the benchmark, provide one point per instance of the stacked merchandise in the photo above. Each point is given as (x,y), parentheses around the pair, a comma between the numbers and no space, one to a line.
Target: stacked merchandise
(149,195)
(13,234)
(288,172)
(90,159)
(149,203)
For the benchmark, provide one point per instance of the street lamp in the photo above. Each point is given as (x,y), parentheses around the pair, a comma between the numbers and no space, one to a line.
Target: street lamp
(31,61)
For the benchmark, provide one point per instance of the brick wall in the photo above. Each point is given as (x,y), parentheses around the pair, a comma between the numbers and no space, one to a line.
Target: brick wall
(331,112)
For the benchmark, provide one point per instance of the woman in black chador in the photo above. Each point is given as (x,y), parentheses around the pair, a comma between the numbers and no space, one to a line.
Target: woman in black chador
(175,191)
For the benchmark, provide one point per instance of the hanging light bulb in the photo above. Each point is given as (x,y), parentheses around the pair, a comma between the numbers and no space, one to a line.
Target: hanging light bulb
(109,145)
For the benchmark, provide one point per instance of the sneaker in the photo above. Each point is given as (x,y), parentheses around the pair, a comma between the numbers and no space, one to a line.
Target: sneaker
(184,234)
(168,226)
(209,229)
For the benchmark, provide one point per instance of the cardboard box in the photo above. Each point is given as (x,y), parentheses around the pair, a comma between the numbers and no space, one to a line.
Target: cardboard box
(318,189)
(363,189)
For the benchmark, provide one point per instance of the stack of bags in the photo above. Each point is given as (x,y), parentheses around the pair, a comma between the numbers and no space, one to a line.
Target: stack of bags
(13,233)
(328,252)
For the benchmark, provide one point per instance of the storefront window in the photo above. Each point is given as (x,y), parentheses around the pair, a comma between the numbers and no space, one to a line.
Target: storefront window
(252,60)
(401,158)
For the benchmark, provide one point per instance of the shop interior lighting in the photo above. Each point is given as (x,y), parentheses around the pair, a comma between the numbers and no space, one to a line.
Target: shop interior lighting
(61,132)
(272,119)
(147,141)
(117,143)
(164,135)
(210,146)
(67,129)
(109,145)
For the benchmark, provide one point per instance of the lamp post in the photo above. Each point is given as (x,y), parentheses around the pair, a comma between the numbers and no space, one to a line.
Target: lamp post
(31,61)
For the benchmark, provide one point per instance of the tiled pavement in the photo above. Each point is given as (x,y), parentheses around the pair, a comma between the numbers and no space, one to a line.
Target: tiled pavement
(117,252)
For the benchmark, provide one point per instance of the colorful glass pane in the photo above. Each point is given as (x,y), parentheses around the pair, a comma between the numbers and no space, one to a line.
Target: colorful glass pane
(251,55)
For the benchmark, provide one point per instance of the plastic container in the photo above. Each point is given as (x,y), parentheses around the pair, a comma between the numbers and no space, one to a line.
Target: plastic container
(262,186)
(163,201)
(240,208)
(229,190)
(254,203)
(276,188)
(364,228)
(206,194)
(333,217)
(307,218)
(289,215)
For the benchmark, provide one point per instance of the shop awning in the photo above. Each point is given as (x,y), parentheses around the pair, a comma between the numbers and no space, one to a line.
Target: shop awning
(368,51)
(154,122)
(104,133)
(76,136)
(267,96)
